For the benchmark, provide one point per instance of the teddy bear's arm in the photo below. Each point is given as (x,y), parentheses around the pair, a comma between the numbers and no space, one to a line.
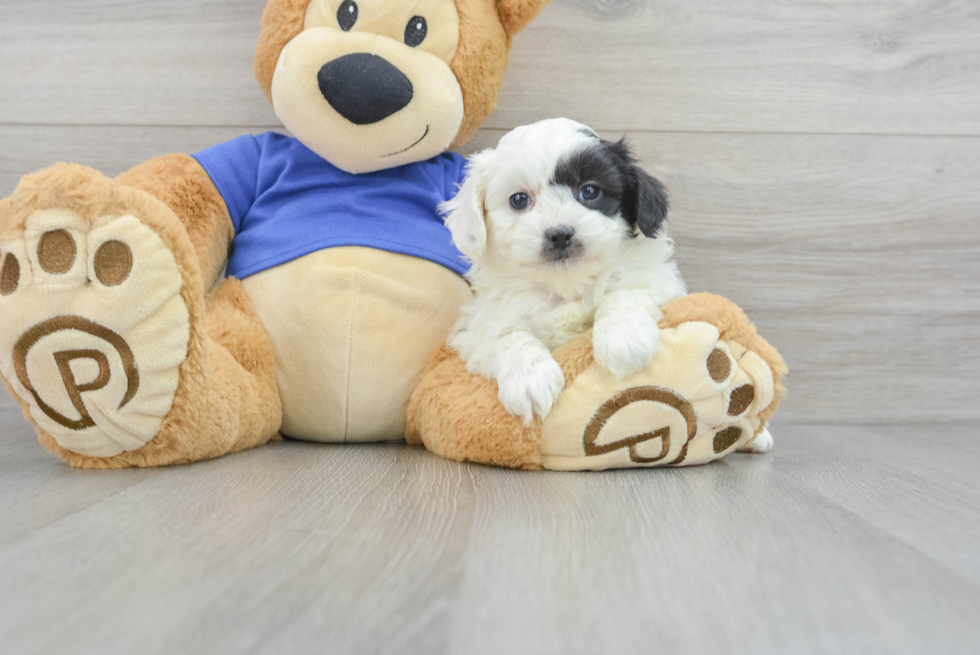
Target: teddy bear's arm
(182,184)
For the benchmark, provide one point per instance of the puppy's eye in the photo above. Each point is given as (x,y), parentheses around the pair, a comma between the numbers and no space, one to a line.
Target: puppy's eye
(347,15)
(520,201)
(416,31)
(589,193)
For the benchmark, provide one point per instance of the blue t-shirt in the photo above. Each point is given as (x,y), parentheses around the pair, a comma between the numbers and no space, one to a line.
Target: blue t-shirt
(286,201)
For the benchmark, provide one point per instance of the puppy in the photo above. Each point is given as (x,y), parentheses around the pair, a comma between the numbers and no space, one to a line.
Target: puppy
(564,233)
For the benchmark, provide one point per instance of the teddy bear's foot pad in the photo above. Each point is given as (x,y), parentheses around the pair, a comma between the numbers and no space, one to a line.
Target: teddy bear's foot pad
(699,400)
(94,328)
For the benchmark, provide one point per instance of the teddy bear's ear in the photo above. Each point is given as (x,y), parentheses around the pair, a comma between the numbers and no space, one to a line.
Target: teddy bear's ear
(282,20)
(515,15)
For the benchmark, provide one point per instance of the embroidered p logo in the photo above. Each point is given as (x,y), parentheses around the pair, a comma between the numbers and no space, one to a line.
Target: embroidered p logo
(64,359)
(612,428)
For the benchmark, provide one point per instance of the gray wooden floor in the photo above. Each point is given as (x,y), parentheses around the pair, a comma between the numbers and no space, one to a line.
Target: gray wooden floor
(823,158)
(845,539)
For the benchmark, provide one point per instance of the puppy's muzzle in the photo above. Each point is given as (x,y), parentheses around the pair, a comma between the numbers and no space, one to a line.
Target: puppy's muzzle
(560,243)
(364,88)
(559,238)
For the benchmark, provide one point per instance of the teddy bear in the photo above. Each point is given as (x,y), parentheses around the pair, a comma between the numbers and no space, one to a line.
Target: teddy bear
(204,304)
(304,286)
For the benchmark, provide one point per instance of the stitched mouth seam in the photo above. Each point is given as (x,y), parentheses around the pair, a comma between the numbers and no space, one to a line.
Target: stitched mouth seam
(413,145)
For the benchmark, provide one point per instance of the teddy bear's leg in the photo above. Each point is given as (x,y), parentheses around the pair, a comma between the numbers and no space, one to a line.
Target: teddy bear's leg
(183,185)
(457,415)
(108,341)
(709,392)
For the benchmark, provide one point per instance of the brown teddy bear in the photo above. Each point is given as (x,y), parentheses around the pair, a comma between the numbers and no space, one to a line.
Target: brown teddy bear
(123,340)
(203,304)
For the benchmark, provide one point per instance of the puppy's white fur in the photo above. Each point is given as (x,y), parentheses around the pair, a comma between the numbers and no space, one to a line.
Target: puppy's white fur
(526,304)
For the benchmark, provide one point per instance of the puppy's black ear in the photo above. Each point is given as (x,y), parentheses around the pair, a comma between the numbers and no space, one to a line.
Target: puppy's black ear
(646,203)
(644,200)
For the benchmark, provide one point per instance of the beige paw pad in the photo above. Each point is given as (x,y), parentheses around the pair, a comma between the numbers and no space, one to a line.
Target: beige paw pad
(94,329)
(696,402)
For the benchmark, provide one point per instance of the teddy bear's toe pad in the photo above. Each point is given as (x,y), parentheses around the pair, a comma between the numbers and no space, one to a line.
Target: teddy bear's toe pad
(699,400)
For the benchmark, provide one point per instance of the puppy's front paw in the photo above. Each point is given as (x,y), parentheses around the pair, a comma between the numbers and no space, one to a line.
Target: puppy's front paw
(533,389)
(625,343)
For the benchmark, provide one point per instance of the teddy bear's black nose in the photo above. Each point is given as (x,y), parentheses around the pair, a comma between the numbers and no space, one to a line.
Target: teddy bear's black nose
(364,88)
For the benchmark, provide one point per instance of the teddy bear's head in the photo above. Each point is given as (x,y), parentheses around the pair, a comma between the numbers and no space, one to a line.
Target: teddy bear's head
(374,84)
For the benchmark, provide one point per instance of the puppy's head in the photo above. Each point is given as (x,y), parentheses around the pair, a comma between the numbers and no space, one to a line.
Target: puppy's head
(554,200)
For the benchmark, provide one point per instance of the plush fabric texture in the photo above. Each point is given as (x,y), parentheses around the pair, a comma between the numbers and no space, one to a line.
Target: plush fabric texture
(183,185)
(712,387)
(225,398)
(457,415)
(515,15)
(353,330)
(486,29)
(98,387)
(282,21)
(734,326)
(674,413)
(286,202)
(441,36)
(420,129)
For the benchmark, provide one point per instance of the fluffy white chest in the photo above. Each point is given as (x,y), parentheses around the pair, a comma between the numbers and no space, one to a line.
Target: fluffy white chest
(556,322)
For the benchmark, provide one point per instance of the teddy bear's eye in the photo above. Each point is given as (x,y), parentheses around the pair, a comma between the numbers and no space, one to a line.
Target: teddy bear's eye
(416,31)
(347,15)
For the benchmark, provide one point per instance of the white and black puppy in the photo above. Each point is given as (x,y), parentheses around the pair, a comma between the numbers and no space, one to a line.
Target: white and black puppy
(565,233)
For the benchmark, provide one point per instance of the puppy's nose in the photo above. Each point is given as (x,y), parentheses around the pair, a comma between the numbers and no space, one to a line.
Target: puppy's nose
(560,237)
(364,88)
